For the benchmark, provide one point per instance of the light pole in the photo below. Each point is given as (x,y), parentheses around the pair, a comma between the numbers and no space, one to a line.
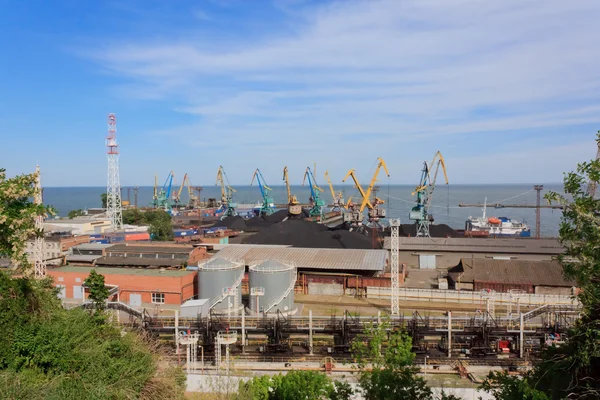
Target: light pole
(425,368)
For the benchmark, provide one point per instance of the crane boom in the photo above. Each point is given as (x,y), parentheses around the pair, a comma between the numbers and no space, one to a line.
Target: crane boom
(178,193)
(266,207)
(372,184)
(292,200)
(330,186)
(352,174)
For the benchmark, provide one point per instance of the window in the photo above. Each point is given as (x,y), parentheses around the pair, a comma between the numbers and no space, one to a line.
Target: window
(61,279)
(77,279)
(158,298)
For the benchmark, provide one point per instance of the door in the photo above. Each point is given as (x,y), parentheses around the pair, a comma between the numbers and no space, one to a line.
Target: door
(77,292)
(63,291)
(135,299)
(427,261)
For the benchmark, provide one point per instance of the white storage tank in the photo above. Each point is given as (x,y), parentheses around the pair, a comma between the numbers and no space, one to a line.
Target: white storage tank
(220,281)
(272,287)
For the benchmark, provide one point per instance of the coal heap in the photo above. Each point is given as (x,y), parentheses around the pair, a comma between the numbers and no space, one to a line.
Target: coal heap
(439,231)
(256,224)
(302,233)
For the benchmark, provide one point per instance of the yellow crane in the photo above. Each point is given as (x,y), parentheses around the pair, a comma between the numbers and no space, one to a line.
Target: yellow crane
(377,200)
(338,201)
(294,207)
(355,216)
(226,193)
(177,194)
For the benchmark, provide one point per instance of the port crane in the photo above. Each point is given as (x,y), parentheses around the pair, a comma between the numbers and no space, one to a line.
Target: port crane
(227,191)
(316,203)
(424,191)
(338,201)
(267,202)
(177,194)
(162,196)
(355,214)
(294,207)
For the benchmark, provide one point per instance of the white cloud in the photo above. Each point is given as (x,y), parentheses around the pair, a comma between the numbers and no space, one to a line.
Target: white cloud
(407,71)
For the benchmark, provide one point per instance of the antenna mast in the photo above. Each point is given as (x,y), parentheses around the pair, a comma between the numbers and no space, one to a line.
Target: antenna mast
(113,187)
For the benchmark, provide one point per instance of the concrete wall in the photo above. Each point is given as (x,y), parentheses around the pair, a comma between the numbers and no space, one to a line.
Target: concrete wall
(454,296)
(562,291)
(445,260)
(329,289)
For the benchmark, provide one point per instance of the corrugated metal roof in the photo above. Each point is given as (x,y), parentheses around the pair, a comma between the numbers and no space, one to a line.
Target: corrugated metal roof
(306,258)
(133,248)
(91,246)
(140,262)
(123,271)
(82,257)
(478,245)
(535,273)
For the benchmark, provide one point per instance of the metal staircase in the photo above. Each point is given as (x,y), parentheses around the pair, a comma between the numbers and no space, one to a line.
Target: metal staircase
(234,288)
(283,296)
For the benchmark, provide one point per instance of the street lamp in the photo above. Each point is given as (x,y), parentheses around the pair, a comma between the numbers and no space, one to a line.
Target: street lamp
(425,368)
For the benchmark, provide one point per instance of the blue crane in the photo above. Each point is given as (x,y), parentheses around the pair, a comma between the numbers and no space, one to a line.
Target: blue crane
(162,197)
(267,202)
(316,203)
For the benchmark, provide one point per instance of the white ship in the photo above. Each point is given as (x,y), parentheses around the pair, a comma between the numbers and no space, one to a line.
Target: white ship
(495,226)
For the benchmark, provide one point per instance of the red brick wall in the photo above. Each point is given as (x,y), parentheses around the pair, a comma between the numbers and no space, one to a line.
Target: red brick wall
(176,289)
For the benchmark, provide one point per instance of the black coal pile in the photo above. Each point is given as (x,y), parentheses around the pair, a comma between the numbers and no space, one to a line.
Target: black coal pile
(256,224)
(236,223)
(301,233)
(439,231)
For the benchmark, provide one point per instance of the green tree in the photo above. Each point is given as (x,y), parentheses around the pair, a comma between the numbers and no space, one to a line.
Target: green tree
(104,199)
(294,385)
(573,369)
(75,213)
(161,226)
(133,216)
(392,374)
(17,216)
(98,289)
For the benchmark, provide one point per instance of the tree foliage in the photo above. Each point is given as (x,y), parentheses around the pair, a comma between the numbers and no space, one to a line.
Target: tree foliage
(161,226)
(573,369)
(98,289)
(104,200)
(295,385)
(75,213)
(17,215)
(392,374)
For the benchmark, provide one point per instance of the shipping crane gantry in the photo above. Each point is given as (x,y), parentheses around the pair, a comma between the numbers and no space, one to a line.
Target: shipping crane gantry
(294,207)
(227,203)
(354,216)
(162,197)
(338,201)
(316,203)
(177,194)
(424,191)
(266,207)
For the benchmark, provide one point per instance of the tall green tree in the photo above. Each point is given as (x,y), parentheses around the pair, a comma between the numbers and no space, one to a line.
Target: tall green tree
(104,199)
(161,225)
(98,290)
(573,369)
(17,215)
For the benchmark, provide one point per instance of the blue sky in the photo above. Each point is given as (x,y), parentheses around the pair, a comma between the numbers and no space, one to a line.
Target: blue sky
(507,90)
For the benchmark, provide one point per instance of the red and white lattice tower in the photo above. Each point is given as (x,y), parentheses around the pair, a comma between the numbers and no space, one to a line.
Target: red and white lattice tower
(395,266)
(113,188)
(38,243)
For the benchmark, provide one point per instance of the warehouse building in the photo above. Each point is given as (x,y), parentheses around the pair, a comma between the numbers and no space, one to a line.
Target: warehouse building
(151,255)
(136,287)
(444,253)
(56,247)
(86,254)
(539,277)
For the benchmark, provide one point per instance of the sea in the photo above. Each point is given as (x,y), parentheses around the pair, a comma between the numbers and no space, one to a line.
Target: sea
(398,200)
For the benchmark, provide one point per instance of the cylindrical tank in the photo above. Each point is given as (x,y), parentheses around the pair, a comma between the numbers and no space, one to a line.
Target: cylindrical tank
(220,281)
(272,287)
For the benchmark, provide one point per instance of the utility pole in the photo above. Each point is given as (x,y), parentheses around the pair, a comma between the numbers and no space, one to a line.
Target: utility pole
(113,187)
(39,245)
(395,267)
(538,189)
(135,196)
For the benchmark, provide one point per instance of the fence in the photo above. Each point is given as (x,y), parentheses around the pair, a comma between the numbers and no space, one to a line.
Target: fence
(467,297)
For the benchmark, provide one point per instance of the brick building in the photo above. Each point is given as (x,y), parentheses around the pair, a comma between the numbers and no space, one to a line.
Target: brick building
(138,287)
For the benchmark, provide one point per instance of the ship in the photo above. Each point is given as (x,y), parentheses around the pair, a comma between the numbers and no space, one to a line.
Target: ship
(495,226)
